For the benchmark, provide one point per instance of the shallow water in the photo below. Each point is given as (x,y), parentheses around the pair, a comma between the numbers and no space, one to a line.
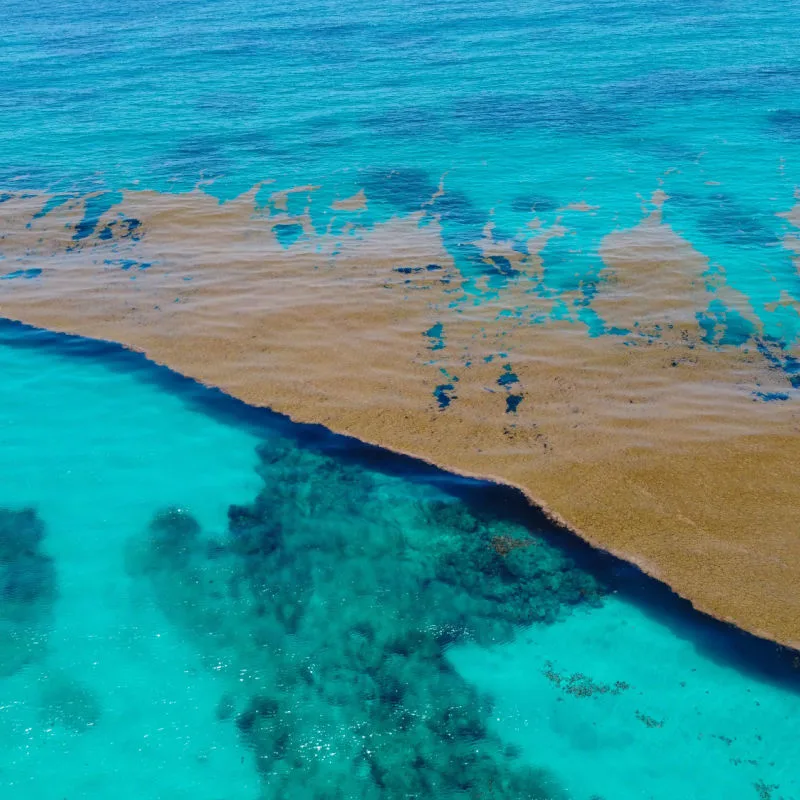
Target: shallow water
(370,627)
(109,449)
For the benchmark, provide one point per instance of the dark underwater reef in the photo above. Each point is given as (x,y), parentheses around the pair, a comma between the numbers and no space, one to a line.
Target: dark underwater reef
(27,589)
(27,593)
(330,602)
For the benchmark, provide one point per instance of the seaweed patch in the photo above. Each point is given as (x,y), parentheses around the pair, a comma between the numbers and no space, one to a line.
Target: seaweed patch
(648,721)
(580,685)
(27,588)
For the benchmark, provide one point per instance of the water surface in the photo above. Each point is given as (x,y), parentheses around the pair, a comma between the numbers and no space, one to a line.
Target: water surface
(602,183)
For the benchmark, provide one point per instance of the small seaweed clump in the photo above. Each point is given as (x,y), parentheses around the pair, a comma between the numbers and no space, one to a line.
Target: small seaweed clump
(27,588)
(331,601)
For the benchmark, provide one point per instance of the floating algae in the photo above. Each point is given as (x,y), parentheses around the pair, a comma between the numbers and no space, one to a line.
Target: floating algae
(27,588)
(635,387)
(332,617)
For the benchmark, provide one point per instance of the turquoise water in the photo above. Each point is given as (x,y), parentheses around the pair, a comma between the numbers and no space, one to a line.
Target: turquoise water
(240,607)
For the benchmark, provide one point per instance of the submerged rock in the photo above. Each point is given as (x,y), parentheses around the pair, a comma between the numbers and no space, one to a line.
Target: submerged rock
(68,703)
(173,536)
(27,589)
(21,533)
(331,601)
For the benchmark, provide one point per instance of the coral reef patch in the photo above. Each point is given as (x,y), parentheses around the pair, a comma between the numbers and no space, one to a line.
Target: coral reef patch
(330,602)
(27,588)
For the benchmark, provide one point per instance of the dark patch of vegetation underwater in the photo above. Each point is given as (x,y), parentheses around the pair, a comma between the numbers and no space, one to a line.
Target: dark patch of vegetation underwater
(334,606)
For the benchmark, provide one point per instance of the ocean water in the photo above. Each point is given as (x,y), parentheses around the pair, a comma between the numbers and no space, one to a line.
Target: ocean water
(203,600)
(210,601)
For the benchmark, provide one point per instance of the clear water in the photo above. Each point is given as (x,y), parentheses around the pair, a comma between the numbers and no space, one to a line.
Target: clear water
(373,631)
(368,627)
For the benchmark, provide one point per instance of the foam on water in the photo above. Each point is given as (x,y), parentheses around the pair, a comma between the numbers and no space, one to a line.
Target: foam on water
(139,694)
